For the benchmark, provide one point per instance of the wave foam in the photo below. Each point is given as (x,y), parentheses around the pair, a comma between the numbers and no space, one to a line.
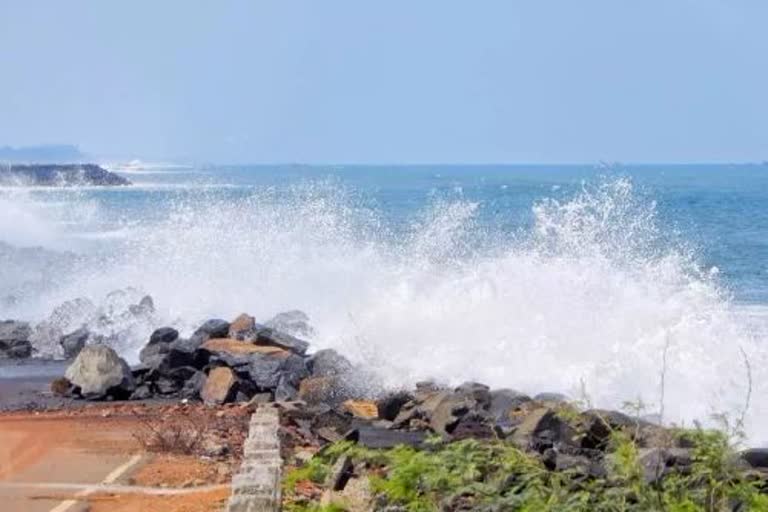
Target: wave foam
(595,293)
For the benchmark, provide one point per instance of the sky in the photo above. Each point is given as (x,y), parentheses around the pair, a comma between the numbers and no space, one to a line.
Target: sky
(397,81)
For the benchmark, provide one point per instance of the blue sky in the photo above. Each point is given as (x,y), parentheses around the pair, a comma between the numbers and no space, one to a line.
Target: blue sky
(389,82)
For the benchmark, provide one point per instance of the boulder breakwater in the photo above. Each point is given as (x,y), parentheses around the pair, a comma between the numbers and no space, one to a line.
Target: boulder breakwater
(346,437)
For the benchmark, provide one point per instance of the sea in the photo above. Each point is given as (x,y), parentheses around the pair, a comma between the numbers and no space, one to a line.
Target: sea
(610,283)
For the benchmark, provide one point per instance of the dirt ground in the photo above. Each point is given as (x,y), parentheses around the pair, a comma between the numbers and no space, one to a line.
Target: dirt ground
(41,453)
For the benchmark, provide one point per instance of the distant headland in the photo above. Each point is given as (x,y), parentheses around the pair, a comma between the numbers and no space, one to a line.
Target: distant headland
(43,153)
(58,175)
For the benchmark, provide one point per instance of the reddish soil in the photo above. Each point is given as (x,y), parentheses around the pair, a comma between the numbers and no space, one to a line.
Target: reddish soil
(181,471)
(85,445)
(195,502)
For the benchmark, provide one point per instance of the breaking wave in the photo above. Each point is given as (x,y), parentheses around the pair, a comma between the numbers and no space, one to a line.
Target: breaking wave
(595,297)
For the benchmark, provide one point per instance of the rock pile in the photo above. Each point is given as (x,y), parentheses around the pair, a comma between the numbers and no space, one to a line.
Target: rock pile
(324,398)
(225,362)
(14,340)
(119,318)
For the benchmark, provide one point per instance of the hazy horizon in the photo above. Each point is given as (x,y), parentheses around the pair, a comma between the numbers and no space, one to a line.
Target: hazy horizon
(339,81)
(86,157)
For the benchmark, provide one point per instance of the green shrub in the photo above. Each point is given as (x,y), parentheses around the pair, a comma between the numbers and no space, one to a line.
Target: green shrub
(496,476)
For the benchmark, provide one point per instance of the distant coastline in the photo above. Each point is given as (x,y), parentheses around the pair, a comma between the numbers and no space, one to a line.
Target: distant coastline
(58,175)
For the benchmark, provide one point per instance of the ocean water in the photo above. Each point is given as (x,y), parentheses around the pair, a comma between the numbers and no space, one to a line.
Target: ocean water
(588,280)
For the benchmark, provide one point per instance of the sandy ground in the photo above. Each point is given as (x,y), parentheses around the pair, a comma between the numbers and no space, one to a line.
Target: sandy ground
(41,453)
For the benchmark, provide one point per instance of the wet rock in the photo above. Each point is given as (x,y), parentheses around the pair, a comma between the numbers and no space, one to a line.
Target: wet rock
(479,392)
(323,390)
(98,371)
(236,352)
(15,349)
(293,322)
(598,425)
(542,429)
(163,335)
(503,403)
(214,328)
(14,340)
(74,342)
(275,338)
(285,390)
(328,362)
(756,457)
(380,438)
(390,405)
(193,386)
(219,387)
(443,411)
(364,409)
(240,325)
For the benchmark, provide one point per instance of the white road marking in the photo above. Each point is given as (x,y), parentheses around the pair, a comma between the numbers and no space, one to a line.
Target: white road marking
(114,488)
(110,478)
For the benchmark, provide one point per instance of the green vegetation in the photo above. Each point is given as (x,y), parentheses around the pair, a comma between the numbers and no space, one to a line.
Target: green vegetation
(495,476)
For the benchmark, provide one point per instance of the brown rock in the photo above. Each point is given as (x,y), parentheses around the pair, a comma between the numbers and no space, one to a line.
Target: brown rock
(329,390)
(242,323)
(219,386)
(233,346)
(61,386)
(366,409)
(314,389)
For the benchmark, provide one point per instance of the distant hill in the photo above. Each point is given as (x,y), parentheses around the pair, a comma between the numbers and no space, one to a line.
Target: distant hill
(46,153)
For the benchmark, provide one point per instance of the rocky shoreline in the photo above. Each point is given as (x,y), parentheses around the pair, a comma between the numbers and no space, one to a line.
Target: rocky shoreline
(326,401)
(58,175)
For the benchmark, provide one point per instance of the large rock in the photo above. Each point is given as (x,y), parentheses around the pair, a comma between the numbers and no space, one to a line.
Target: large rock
(389,405)
(756,458)
(233,347)
(598,426)
(460,413)
(275,338)
(542,429)
(14,340)
(74,342)
(293,322)
(329,391)
(364,409)
(374,437)
(214,328)
(242,324)
(220,386)
(504,402)
(163,335)
(328,362)
(266,367)
(166,349)
(98,371)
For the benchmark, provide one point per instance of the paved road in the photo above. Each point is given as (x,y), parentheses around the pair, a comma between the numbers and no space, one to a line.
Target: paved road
(36,450)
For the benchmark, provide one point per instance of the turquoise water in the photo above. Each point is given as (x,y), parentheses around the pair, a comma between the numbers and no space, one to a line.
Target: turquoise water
(533,277)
